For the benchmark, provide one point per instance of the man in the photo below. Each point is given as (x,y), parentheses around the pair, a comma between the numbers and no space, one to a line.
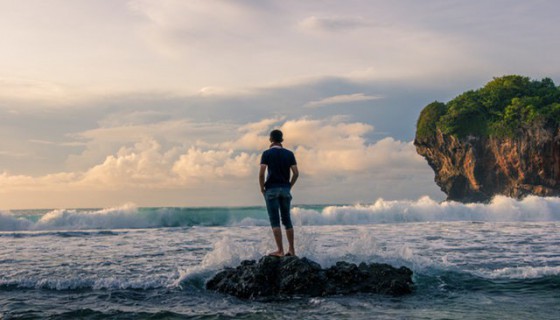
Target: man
(276,190)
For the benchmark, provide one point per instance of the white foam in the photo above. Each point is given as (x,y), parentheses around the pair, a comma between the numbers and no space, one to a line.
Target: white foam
(251,222)
(8,222)
(229,250)
(425,209)
(522,272)
(125,216)
(226,251)
(501,209)
(61,284)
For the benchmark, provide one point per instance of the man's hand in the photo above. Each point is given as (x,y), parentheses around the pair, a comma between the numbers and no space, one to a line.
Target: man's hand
(295,175)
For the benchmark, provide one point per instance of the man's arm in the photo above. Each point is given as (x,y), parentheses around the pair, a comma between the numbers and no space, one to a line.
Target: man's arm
(295,175)
(261,176)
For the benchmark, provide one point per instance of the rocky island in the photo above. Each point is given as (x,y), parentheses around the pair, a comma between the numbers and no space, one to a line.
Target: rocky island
(287,276)
(502,139)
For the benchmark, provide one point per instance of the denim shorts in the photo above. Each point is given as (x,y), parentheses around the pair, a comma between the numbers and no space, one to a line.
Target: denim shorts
(278,206)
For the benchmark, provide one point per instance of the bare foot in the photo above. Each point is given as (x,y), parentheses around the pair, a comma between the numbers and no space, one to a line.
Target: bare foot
(276,254)
(290,254)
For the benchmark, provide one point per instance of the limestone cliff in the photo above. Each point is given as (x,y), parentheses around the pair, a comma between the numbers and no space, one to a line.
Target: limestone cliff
(474,169)
(501,139)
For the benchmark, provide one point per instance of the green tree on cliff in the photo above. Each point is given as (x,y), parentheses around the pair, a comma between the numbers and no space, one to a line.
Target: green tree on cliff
(503,107)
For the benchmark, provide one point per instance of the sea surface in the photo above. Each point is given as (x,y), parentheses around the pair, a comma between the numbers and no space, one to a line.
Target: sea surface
(482,261)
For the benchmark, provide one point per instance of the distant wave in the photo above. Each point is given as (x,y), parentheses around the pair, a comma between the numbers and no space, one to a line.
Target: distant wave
(70,284)
(522,272)
(129,217)
(501,209)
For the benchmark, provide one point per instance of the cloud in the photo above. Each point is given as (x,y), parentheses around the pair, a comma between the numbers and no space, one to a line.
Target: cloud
(334,24)
(223,91)
(120,130)
(190,25)
(254,136)
(143,166)
(61,180)
(13,154)
(219,45)
(26,90)
(330,148)
(341,99)
(331,152)
(212,164)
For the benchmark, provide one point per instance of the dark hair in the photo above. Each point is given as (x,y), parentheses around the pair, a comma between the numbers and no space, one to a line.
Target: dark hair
(276,135)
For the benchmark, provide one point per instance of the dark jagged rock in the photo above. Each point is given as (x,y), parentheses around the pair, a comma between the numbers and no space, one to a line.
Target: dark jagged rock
(287,276)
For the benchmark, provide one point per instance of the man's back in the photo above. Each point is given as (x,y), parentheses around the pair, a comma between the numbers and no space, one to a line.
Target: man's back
(279,162)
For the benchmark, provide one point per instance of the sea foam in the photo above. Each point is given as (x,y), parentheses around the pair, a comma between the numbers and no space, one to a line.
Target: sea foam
(425,209)
(501,209)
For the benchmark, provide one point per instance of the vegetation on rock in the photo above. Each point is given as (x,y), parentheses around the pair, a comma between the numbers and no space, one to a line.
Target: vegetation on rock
(502,108)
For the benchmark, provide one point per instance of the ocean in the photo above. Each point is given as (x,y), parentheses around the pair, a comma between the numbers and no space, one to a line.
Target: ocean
(478,261)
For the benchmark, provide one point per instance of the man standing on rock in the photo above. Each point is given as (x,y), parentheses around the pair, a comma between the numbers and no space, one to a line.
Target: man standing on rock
(276,189)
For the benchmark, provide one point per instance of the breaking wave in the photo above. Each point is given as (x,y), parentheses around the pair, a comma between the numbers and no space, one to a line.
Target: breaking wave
(501,209)
(425,209)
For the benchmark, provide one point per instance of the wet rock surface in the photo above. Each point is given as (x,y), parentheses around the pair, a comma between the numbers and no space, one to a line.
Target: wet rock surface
(273,276)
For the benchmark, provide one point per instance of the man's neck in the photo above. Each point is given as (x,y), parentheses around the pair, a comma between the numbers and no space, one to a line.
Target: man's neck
(276,145)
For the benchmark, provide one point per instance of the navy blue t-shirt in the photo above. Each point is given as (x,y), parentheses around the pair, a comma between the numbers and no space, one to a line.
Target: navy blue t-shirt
(278,161)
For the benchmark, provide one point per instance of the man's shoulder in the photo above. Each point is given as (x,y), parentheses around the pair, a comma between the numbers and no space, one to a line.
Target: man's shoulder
(286,153)
(282,151)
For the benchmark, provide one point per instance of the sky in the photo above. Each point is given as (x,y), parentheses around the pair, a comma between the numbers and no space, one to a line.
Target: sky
(169,102)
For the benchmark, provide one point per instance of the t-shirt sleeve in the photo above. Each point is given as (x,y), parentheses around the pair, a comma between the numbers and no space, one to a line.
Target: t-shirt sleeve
(264,158)
(293,160)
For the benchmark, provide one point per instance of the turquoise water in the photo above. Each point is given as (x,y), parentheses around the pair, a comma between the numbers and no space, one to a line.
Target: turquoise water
(134,263)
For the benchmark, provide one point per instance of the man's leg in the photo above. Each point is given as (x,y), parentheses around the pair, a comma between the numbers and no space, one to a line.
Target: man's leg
(290,236)
(277,232)
(272,206)
(284,203)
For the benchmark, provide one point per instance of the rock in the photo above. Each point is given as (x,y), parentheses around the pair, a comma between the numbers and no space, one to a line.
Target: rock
(272,276)
(501,139)
(476,168)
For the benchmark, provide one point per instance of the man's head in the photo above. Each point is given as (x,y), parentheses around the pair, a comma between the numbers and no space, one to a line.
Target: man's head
(276,136)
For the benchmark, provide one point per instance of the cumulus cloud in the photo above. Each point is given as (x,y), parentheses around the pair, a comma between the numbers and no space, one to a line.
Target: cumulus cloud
(327,150)
(341,99)
(253,136)
(145,165)
(118,130)
(333,147)
(214,164)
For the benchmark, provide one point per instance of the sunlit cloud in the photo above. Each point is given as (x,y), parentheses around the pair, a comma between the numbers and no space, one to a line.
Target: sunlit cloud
(325,148)
(341,99)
